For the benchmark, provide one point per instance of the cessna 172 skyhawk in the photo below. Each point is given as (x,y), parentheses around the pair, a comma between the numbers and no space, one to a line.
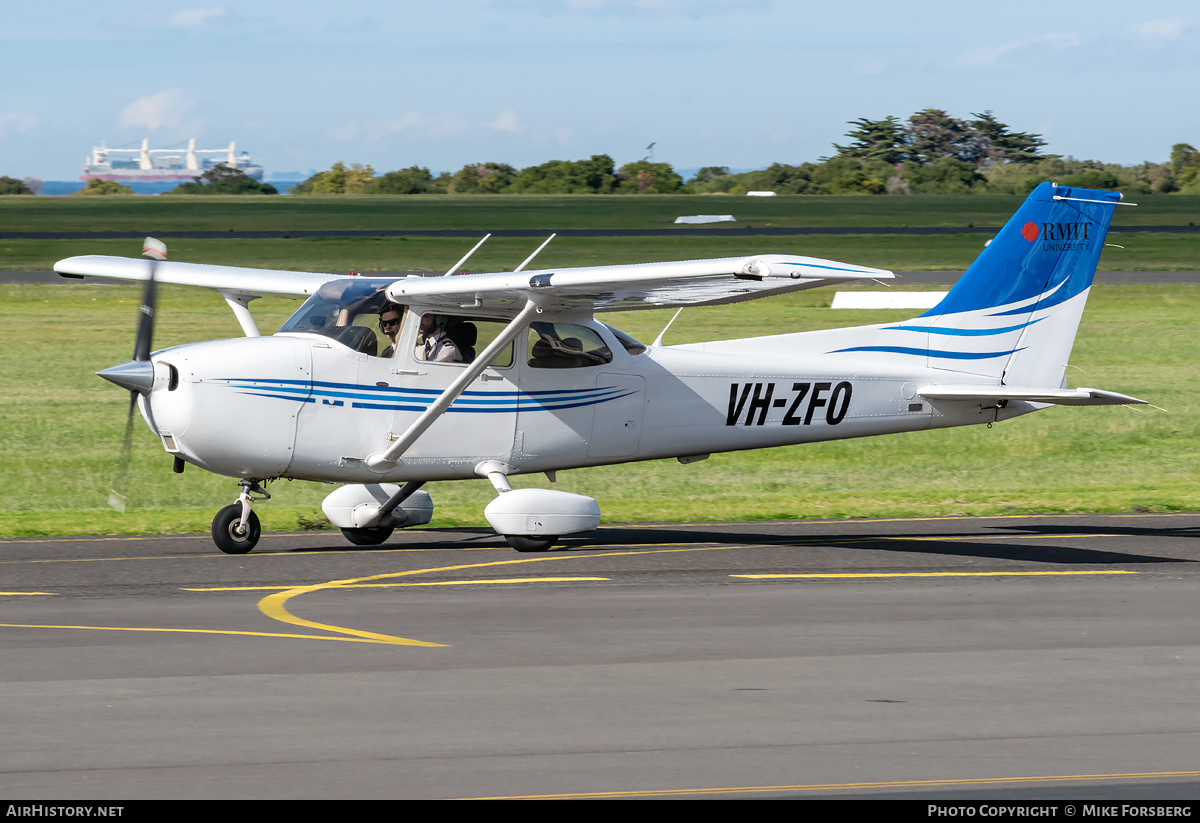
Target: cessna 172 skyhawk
(540,385)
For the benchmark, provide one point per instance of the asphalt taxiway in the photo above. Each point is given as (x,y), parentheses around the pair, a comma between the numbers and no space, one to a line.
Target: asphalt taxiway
(1055,656)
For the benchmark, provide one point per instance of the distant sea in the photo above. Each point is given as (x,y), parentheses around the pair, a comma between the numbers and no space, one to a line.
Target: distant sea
(58,188)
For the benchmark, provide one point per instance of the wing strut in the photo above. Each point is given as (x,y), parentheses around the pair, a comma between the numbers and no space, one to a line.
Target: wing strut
(238,301)
(536,252)
(466,256)
(385,461)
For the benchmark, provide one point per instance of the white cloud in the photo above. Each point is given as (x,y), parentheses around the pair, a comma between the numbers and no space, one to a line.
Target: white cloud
(1160,32)
(164,109)
(989,56)
(661,8)
(441,125)
(346,131)
(16,122)
(505,121)
(194,18)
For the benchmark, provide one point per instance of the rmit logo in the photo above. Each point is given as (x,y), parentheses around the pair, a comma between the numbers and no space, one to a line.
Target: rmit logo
(1064,231)
(1029,231)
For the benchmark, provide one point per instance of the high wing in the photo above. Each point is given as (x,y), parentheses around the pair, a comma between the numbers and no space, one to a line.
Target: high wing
(589,288)
(640,286)
(225,279)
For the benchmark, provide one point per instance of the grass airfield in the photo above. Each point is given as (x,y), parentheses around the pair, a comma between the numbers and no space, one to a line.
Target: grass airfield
(61,427)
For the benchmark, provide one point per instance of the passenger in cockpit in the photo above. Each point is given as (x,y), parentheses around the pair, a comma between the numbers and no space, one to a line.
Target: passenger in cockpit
(435,344)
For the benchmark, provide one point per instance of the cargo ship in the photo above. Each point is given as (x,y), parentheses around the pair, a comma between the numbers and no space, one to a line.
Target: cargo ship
(147,165)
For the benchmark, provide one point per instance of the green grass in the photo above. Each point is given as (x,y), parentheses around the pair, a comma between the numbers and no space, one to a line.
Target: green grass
(1143,251)
(165,214)
(60,427)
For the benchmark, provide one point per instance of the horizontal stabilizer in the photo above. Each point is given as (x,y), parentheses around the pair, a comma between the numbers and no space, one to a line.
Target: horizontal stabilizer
(994,394)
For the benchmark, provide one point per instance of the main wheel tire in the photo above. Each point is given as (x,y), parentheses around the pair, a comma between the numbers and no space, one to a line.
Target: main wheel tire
(228,533)
(540,543)
(367,537)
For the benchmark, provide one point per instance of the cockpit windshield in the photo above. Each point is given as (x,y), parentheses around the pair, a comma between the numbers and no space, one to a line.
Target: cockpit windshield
(632,346)
(346,310)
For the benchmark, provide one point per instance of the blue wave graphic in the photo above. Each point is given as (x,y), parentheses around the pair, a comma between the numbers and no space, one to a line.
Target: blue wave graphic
(395,398)
(962,332)
(948,355)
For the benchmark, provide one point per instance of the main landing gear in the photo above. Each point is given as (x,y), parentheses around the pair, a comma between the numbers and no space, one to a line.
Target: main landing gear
(368,537)
(539,543)
(236,529)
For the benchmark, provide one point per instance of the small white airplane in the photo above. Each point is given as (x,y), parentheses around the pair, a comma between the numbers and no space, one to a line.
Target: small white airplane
(529,381)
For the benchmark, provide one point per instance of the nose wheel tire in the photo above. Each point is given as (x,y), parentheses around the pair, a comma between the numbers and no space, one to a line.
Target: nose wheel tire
(367,537)
(531,544)
(231,535)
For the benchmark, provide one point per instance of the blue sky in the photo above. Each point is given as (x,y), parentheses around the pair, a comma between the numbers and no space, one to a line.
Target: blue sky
(303,83)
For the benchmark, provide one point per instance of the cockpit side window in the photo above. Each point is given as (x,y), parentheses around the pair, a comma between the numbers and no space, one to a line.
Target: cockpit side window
(565,346)
(454,339)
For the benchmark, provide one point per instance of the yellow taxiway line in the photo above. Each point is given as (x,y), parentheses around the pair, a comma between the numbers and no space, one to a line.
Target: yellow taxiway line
(837,575)
(423,583)
(274,605)
(829,787)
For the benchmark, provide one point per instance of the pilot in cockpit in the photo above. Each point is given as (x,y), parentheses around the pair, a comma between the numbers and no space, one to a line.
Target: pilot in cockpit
(390,318)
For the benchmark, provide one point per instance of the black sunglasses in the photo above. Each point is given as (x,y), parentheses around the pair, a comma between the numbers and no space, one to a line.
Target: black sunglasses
(383,324)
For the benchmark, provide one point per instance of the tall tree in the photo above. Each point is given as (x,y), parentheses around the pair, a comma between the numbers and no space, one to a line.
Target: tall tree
(933,133)
(885,140)
(1184,166)
(994,142)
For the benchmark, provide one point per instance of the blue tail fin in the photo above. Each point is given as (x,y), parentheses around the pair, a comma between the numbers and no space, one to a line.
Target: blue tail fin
(1053,240)
(1021,300)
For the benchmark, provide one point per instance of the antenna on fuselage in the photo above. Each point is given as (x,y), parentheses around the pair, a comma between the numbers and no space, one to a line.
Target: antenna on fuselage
(536,252)
(658,340)
(466,256)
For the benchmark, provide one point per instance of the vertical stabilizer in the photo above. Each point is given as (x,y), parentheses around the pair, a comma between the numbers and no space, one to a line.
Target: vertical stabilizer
(1013,314)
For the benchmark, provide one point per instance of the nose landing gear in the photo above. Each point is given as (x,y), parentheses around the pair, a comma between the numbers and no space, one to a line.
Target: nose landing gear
(236,529)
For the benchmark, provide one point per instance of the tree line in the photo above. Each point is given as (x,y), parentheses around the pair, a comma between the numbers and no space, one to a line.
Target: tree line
(929,153)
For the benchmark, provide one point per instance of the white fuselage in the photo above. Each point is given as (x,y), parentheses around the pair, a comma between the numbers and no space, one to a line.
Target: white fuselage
(306,406)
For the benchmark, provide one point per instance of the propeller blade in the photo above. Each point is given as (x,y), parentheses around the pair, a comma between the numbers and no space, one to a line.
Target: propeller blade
(129,375)
(120,485)
(154,250)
